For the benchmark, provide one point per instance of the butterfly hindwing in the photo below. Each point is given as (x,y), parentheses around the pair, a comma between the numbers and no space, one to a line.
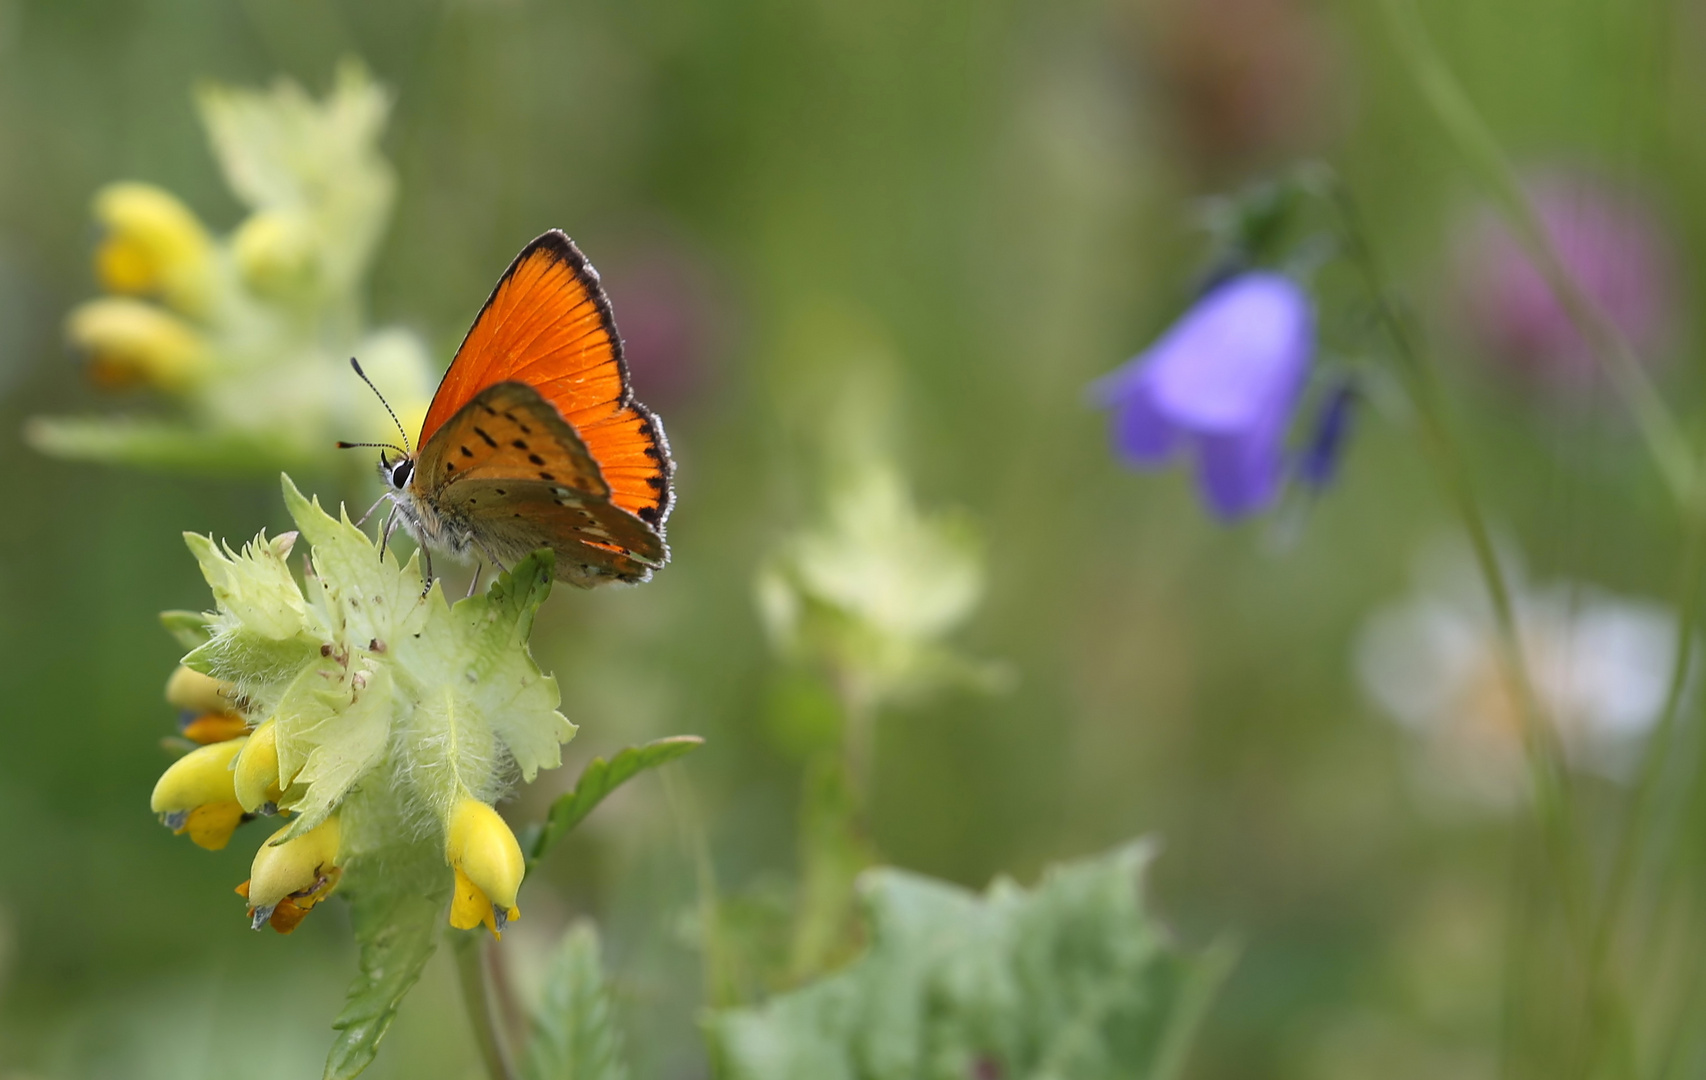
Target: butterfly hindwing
(510,472)
(594,541)
(549,325)
(508,431)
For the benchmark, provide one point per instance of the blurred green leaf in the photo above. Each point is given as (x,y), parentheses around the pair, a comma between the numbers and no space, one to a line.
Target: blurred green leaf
(1070,979)
(599,779)
(167,445)
(188,628)
(574,1035)
(398,915)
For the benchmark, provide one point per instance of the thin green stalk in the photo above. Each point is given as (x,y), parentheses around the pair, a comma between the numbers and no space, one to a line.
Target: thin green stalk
(1626,862)
(1552,804)
(721,989)
(858,738)
(477,999)
(1540,741)
(1455,111)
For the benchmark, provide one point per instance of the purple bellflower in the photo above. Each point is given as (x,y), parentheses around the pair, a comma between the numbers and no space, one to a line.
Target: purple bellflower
(1221,383)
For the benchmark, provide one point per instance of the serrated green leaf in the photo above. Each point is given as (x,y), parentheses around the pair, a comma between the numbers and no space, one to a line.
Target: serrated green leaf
(333,727)
(1070,979)
(188,628)
(398,914)
(574,1034)
(599,779)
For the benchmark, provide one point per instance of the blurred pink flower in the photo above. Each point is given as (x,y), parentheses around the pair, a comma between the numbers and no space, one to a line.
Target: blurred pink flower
(668,311)
(1609,241)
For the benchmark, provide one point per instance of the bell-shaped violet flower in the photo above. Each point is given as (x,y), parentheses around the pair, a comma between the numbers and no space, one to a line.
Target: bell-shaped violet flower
(1222,382)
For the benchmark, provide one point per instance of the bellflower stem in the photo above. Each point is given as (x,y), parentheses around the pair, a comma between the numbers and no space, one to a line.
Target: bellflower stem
(477,998)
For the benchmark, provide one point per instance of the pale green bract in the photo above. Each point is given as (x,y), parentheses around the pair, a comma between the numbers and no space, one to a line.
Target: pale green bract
(1071,979)
(875,585)
(367,676)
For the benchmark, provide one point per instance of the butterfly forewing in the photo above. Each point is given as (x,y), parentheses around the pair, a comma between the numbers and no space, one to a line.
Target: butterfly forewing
(548,324)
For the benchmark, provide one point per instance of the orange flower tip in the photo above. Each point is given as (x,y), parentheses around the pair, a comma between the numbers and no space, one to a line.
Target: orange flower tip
(242,890)
(213,727)
(288,915)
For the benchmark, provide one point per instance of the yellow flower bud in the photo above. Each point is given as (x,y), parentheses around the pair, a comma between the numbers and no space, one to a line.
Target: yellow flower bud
(292,876)
(196,795)
(256,773)
(194,692)
(131,342)
(488,865)
(154,247)
(274,251)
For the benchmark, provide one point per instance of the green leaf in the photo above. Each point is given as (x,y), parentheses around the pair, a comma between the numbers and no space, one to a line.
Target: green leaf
(599,779)
(574,1034)
(189,628)
(1069,979)
(398,917)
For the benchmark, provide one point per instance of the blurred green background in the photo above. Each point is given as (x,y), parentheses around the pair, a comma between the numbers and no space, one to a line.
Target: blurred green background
(994,202)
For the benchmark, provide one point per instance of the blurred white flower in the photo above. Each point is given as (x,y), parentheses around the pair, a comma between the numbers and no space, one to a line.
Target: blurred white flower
(1600,664)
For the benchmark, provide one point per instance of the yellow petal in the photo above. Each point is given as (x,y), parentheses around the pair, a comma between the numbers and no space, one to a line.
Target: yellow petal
(480,845)
(155,246)
(132,342)
(199,778)
(255,777)
(469,907)
(274,250)
(214,727)
(212,824)
(295,866)
(194,692)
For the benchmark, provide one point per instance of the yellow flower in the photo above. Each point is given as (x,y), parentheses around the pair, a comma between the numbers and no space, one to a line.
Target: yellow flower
(209,707)
(130,342)
(288,879)
(194,692)
(154,246)
(273,251)
(488,865)
(256,774)
(196,795)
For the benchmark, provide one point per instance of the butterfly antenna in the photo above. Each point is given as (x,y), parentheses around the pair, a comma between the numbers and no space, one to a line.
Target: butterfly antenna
(354,363)
(375,445)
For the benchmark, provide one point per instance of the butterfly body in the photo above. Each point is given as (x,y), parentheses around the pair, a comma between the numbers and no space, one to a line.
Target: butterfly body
(533,438)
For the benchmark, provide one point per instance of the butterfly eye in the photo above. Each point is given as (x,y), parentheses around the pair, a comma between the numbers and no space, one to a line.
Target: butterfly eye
(400,475)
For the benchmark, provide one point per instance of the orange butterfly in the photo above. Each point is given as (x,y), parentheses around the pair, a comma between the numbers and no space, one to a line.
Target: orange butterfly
(534,438)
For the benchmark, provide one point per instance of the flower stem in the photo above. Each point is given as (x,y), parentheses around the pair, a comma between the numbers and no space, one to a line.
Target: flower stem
(1552,804)
(477,998)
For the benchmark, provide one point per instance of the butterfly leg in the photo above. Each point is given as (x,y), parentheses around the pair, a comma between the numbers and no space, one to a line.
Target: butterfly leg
(495,561)
(370,511)
(474,585)
(386,530)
